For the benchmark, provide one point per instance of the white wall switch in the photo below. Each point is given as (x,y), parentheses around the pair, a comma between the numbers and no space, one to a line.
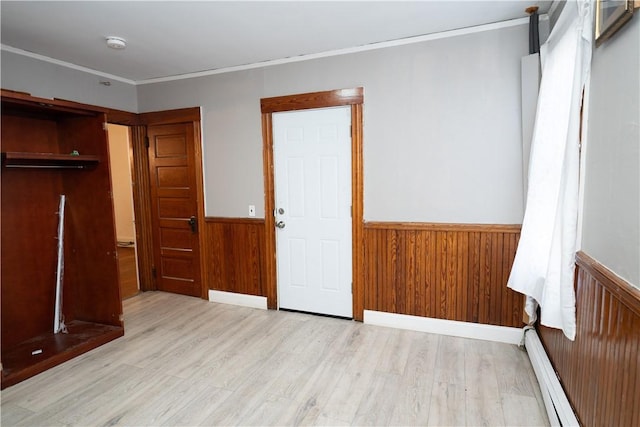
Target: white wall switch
(252,210)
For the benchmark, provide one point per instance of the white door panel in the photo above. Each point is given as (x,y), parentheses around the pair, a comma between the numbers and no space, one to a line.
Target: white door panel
(312,161)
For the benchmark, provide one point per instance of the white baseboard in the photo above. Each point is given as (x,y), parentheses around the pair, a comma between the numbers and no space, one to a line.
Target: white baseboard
(233,298)
(444,327)
(556,402)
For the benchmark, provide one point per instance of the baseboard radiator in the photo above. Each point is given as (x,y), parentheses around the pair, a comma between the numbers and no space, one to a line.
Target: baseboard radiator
(556,402)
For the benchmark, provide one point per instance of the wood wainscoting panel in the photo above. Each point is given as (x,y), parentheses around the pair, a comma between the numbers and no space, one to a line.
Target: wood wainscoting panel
(600,370)
(235,255)
(444,271)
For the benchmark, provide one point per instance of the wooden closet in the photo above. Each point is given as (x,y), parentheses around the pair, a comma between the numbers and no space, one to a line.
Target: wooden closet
(38,137)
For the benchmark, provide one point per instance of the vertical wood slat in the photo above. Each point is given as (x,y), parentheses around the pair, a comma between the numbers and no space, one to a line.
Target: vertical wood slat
(142,208)
(600,370)
(235,255)
(447,271)
(357,206)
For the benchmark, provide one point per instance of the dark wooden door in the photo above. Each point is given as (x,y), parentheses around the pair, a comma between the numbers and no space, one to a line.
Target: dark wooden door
(174,208)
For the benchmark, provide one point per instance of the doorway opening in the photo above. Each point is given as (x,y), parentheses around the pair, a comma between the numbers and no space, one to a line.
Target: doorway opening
(312,170)
(120,158)
(336,98)
(149,242)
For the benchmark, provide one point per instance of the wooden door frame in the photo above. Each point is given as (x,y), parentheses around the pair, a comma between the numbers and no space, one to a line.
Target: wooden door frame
(142,206)
(334,98)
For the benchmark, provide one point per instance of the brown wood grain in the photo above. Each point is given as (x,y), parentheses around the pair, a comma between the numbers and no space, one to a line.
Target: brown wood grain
(357,207)
(331,98)
(600,370)
(56,105)
(30,197)
(92,265)
(127,271)
(142,208)
(446,271)
(174,197)
(271,275)
(199,171)
(181,115)
(123,118)
(19,363)
(236,255)
(437,226)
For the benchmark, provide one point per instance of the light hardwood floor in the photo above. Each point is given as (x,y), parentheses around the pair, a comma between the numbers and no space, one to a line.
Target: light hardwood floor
(185,361)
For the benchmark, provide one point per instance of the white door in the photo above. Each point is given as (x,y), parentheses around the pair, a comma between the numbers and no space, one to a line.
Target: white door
(312,160)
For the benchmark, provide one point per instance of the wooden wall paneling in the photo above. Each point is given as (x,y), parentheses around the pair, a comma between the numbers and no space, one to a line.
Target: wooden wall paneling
(371,261)
(445,271)
(236,255)
(452,283)
(215,272)
(419,276)
(408,279)
(484,283)
(431,266)
(472,276)
(386,266)
(494,267)
(462,275)
(441,277)
(507,307)
(391,274)
(600,370)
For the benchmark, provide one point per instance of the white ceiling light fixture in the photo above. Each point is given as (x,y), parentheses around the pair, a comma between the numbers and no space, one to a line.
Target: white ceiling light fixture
(117,43)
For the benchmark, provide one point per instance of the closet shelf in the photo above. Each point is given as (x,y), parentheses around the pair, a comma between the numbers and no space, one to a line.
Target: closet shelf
(12,159)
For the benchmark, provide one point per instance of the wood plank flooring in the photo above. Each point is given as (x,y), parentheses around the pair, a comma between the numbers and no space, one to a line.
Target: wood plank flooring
(185,361)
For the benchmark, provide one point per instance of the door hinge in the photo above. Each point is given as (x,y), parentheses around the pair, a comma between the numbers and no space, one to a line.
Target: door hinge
(351,208)
(154,272)
(146,141)
(104,126)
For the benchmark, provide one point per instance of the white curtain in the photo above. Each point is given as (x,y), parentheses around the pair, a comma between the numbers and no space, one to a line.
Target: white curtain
(544,265)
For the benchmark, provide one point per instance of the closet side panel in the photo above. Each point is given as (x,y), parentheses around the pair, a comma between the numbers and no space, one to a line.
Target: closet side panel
(30,199)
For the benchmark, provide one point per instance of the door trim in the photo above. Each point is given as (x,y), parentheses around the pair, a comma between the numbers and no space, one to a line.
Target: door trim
(335,98)
(141,193)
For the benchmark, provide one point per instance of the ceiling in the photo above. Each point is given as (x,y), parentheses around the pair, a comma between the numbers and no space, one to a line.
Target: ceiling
(173,38)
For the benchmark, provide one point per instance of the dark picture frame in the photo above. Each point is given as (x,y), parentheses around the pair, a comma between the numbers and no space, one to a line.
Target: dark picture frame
(611,15)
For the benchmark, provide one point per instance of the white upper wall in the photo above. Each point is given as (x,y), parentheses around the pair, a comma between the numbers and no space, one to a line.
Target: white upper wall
(611,221)
(442,137)
(48,80)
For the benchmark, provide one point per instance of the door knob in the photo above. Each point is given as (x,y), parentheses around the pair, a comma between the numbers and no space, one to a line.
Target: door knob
(280,224)
(193,224)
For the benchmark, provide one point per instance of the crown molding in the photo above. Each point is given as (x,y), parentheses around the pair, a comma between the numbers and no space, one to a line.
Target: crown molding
(270,63)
